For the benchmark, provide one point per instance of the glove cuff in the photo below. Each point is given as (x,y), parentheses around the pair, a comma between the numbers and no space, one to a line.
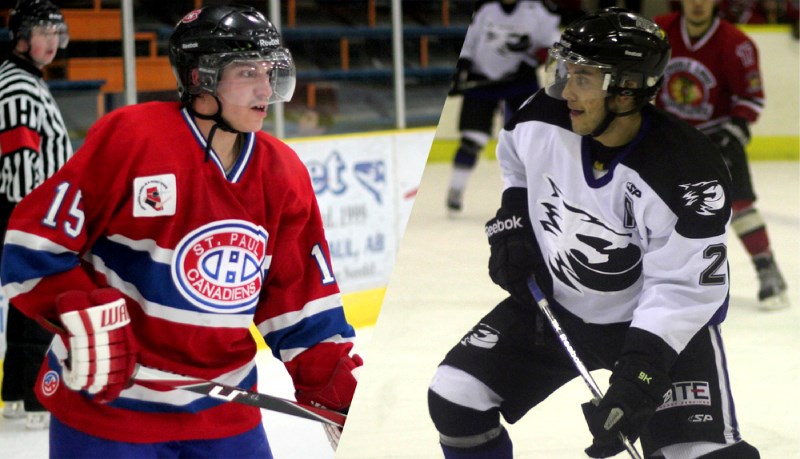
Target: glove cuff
(645,361)
(337,394)
(739,129)
(644,345)
(85,314)
(650,381)
(463,64)
(515,198)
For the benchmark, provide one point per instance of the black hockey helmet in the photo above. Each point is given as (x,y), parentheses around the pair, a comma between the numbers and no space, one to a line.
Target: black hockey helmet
(625,46)
(210,38)
(28,14)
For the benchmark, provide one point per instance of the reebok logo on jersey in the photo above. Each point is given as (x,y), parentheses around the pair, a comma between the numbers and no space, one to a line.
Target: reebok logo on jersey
(498,226)
(705,198)
(155,196)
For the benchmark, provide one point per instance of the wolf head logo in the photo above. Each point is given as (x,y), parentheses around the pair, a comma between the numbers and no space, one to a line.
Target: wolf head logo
(705,198)
(586,251)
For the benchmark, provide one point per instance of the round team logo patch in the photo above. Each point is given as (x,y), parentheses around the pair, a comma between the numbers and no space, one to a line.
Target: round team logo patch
(191,16)
(219,267)
(50,383)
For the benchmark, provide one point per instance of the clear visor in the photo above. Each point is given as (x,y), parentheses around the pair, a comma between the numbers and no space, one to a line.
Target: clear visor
(248,79)
(568,72)
(53,30)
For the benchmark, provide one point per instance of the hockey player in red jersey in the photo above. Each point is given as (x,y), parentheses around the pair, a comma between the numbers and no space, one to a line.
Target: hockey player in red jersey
(34,144)
(620,211)
(713,81)
(173,229)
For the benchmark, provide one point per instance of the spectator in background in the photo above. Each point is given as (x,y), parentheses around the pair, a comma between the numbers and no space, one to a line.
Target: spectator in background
(505,42)
(713,81)
(34,144)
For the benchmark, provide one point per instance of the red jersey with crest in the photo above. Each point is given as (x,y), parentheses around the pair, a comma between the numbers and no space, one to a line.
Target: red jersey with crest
(713,78)
(199,253)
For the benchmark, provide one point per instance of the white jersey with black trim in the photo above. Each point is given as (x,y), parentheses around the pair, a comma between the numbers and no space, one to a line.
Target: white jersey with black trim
(646,241)
(500,38)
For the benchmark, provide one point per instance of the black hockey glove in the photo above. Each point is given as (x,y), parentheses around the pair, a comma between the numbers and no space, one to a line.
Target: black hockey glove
(514,251)
(462,75)
(525,73)
(637,388)
(732,138)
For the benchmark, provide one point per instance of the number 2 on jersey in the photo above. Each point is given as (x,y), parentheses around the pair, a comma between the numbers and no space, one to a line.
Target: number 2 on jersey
(718,255)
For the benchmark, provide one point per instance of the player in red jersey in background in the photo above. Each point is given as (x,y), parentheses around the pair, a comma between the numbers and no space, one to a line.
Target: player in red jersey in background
(173,229)
(713,81)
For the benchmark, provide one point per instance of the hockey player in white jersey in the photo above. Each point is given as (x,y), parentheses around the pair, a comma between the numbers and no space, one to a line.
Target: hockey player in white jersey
(505,42)
(621,212)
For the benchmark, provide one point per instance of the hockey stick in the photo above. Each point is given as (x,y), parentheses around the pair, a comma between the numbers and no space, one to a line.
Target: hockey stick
(544,306)
(167,380)
(151,376)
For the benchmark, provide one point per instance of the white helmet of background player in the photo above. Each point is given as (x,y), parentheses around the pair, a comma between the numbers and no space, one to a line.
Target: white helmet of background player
(28,15)
(211,38)
(631,52)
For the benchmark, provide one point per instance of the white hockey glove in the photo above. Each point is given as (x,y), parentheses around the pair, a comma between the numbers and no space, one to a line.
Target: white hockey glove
(101,344)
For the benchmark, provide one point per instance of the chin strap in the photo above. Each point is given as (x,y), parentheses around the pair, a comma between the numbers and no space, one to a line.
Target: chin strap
(219,123)
(610,115)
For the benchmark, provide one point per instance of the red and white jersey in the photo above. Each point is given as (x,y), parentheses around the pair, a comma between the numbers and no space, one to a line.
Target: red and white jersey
(501,37)
(200,255)
(712,79)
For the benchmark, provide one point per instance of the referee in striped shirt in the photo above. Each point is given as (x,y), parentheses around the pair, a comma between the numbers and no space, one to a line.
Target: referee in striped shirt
(34,144)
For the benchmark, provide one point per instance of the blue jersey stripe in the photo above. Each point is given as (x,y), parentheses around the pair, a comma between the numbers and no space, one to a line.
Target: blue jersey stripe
(310,331)
(153,280)
(22,264)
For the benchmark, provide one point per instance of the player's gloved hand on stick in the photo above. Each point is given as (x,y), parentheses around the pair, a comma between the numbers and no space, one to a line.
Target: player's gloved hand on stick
(637,388)
(732,139)
(102,347)
(463,68)
(514,252)
(336,394)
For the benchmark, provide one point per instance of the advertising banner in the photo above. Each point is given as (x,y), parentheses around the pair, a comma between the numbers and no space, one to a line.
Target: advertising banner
(355,188)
